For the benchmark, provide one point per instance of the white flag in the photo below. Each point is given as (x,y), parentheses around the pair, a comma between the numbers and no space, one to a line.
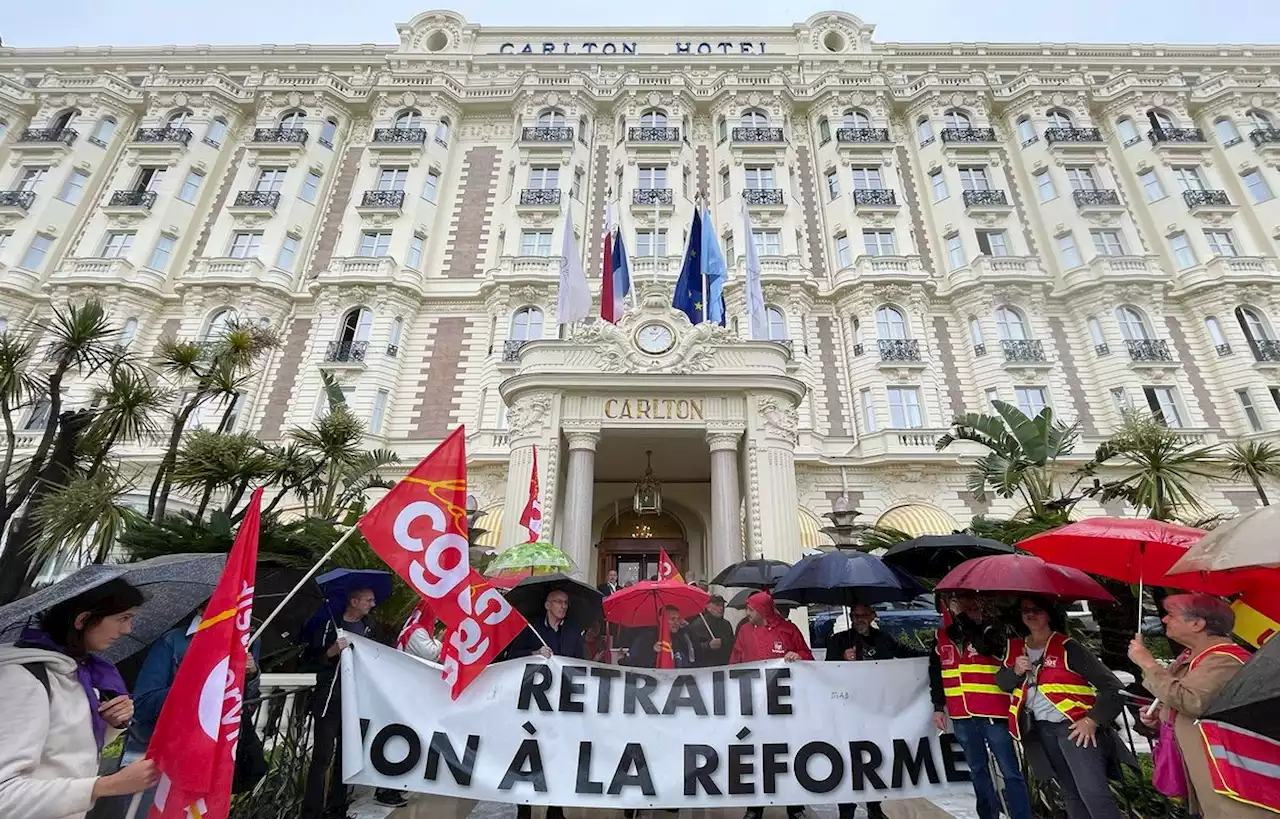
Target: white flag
(755,296)
(574,302)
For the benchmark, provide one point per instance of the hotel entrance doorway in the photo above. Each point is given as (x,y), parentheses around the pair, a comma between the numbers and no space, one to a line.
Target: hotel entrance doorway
(631,544)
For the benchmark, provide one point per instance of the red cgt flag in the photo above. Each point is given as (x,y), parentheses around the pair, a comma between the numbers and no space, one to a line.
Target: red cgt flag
(420,530)
(667,568)
(665,658)
(194,744)
(531,518)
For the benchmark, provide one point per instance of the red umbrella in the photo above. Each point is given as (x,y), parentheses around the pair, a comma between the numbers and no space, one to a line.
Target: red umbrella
(641,604)
(1023,574)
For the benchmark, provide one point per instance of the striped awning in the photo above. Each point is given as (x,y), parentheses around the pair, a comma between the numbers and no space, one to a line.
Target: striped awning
(491,522)
(811,536)
(918,519)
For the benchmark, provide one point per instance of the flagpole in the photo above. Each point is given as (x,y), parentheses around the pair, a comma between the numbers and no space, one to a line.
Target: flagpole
(656,215)
(310,573)
(134,804)
(702,262)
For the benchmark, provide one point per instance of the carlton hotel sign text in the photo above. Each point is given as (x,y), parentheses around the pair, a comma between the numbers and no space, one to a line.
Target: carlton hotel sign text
(686,47)
(654,409)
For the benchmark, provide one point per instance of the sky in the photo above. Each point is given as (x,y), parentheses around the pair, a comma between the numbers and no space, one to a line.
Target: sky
(228,22)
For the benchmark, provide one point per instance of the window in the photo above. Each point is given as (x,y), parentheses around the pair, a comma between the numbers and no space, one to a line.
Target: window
(375,243)
(293,119)
(1120,399)
(1133,325)
(191,186)
(1108,242)
(33,259)
(993,242)
(1216,337)
(4,128)
(1182,252)
(754,118)
(323,404)
(653,177)
(767,242)
(868,410)
(890,323)
(1127,131)
(878,243)
(379,410)
(1259,191)
(73,189)
(725,188)
(65,119)
(5,236)
(1221,243)
(1082,178)
(867,179)
(1095,332)
(722,130)
(39,416)
(1275,396)
(357,324)
(938,183)
(310,187)
(975,331)
(103,131)
(955,253)
(576,190)
(1253,324)
(653,118)
(392,179)
(526,324)
(833,185)
(1258,119)
(856,118)
(442,131)
(328,131)
(1009,324)
(552,118)
(955,118)
(409,118)
(844,255)
(1067,247)
(1151,185)
(824,130)
(1188,178)
(393,337)
(245,245)
(1026,131)
(288,253)
(1031,400)
(220,323)
(128,331)
(904,408)
(535,243)
(217,132)
(1044,186)
(1161,120)
(162,253)
(974,179)
(1058,118)
(116,244)
(270,180)
(993,395)
(1163,403)
(29,177)
(150,178)
(416,246)
(1250,413)
(645,246)
(544,178)
(924,130)
(777,321)
(1227,133)
(730,257)
(178,119)
(760,178)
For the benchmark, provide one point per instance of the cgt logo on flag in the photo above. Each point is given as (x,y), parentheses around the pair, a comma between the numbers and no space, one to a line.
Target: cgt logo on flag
(667,568)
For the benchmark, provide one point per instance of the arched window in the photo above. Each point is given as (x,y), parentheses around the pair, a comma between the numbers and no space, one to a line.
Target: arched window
(1215,332)
(582,130)
(1162,119)
(1258,119)
(217,132)
(975,331)
(178,119)
(722,129)
(924,129)
(1133,324)
(526,324)
(955,118)
(328,132)
(442,131)
(824,130)
(777,323)
(356,325)
(1253,323)
(754,118)
(1058,118)
(220,323)
(551,118)
(890,323)
(293,119)
(1026,130)
(1226,129)
(127,332)
(64,119)
(409,118)
(856,118)
(103,131)
(1009,324)
(1127,131)
(393,338)
(653,118)
(1095,331)
(857,330)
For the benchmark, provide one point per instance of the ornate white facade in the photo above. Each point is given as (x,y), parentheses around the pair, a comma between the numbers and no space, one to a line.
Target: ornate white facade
(1082,226)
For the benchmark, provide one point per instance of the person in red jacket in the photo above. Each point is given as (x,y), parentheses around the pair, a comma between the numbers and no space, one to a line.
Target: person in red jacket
(767,635)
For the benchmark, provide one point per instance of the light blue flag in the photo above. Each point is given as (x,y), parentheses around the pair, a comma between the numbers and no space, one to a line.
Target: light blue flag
(713,267)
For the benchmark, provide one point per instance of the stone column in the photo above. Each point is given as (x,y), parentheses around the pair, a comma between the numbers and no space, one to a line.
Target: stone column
(774,444)
(519,468)
(578,504)
(726,503)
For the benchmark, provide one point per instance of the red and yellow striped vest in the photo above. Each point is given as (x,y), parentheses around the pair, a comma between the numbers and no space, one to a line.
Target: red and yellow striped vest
(969,680)
(1069,692)
(1230,649)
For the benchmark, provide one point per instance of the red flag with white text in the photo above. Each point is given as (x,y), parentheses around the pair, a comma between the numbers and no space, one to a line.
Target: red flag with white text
(194,744)
(531,518)
(667,568)
(472,645)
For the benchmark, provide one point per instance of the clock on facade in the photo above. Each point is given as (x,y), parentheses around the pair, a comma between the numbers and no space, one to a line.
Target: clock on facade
(655,338)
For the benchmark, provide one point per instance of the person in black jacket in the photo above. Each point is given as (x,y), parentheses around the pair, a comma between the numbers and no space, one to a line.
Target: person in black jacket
(712,635)
(644,646)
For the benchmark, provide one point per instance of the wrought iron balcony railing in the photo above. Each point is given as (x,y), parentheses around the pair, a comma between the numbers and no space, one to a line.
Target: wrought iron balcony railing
(1267,349)
(757,134)
(899,349)
(281,135)
(763,196)
(132,199)
(64,135)
(875,197)
(979,349)
(400,136)
(1199,199)
(346,352)
(382,199)
(511,350)
(167,134)
(393,350)
(1022,349)
(963,135)
(1262,136)
(1148,349)
(1102,349)
(856,135)
(539,196)
(1056,135)
(653,133)
(652,196)
(1158,135)
(258,199)
(985,198)
(17,199)
(1222,349)
(1099,196)
(547,133)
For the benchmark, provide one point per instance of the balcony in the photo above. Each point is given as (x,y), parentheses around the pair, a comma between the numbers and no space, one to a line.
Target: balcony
(905,444)
(253,207)
(230,272)
(1072,136)
(547,133)
(772,136)
(381,204)
(1266,141)
(511,350)
(1099,200)
(1208,202)
(986,203)
(1187,143)
(100,272)
(871,200)
(345,354)
(764,198)
(1149,350)
(1023,350)
(181,136)
(15,204)
(899,350)
(279,143)
(124,203)
(400,136)
(653,133)
(1266,350)
(968,140)
(45,144)
(539,199)
(862,143)
(366,271)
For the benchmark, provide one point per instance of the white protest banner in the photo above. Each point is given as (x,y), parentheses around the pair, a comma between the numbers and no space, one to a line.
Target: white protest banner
(568,732)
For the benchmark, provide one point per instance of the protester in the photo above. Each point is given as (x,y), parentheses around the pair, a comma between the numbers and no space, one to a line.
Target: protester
(610,585)
(1065,702)
(1203,624)
(712,635)
(962,683)
(864,642)
(597,643)
(63,705)
(646,645)
(767,635)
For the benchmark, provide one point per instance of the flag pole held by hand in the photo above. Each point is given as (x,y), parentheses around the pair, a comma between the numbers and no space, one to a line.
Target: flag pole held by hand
(310,573)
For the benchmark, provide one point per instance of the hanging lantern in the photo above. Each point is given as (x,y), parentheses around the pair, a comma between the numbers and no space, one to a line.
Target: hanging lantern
(648,497)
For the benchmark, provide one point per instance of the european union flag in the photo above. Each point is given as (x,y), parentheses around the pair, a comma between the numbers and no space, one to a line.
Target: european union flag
(689,288)
(714,269)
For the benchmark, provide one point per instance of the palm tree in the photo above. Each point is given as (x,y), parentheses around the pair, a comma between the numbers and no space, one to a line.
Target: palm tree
(84,518)
(1253,460)
(333,440)
(19,386)
(208,461)
(126,410)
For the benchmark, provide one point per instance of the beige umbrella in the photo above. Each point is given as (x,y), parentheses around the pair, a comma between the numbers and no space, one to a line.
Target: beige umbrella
(1250,540)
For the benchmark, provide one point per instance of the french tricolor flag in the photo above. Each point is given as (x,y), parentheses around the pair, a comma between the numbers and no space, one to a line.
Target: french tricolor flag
(616,275)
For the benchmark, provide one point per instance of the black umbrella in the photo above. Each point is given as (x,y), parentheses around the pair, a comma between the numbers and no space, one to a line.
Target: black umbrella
(529,597)
(1251,700)
(844,578)
(174,585)
(752,574)
(739,601)
(936,555)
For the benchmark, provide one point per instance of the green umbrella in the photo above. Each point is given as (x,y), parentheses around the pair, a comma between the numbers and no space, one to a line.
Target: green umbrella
(540,554)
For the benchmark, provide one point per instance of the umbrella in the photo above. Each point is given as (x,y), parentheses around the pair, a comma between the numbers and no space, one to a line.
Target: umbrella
(510,578)
(641,604)
(935,555)
(540,554)
(739,601)
(1023,574)
(752,574)
(1242,542)
(1251,699)
(339,583)
(174,585)
(845,578)
(529,596)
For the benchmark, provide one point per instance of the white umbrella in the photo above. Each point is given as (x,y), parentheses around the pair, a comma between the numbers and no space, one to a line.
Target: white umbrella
(1249,540)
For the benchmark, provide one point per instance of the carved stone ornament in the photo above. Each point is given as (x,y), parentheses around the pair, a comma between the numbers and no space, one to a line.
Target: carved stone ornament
(526,415)
(781,420)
